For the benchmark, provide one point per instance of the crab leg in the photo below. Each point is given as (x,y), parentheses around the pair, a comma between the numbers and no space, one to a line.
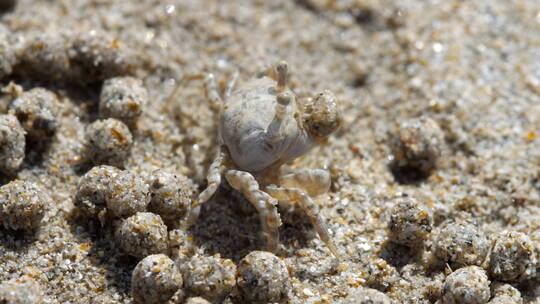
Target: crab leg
(214,179)
(230,84)
(245,183)
(212,91)
(314,181)
(309,207)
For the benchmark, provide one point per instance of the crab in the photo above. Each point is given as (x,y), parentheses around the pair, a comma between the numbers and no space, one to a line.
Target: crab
(263,127)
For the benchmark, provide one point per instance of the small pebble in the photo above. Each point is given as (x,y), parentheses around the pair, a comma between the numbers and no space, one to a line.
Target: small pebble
(460,243)
(12,144)
(210,277)
(364,295)
(263,278)
(37,111)
(513,257)
(109,142)
(417,146)
(468,285)
(22,205)
(170,194)
(128,194)
(504,294)
(92,190)
(409,224)
(122,98)
(142,234)
(155,280)
(23,290)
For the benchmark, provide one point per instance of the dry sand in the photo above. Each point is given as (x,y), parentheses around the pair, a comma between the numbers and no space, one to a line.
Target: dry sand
(473,67)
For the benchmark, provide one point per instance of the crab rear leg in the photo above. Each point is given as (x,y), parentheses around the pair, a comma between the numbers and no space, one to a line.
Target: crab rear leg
(245,183)
(214,179)
(315,182)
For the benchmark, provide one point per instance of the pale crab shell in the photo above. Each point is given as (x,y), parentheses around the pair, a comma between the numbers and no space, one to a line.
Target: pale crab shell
(245,123)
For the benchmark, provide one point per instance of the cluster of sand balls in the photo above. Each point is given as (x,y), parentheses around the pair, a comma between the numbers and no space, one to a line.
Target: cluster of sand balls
(70,55)
(75,56)
(513,258)
(137,207)
(261,278)
(109,139)
(480,262)
(122,196)
(122,193)
(108,189)
(32,115)
(140,210)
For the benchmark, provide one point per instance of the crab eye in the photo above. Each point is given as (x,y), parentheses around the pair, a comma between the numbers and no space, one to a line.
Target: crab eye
(284,98)
(322,116)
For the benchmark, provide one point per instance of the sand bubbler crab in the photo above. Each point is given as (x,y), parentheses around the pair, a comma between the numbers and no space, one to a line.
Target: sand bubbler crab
(262,127)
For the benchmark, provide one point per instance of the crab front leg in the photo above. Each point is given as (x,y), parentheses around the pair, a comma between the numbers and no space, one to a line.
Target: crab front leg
(245,183)
(297,188)
(214,180)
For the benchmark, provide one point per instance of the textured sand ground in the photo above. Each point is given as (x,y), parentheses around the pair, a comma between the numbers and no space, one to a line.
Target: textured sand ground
(472,67)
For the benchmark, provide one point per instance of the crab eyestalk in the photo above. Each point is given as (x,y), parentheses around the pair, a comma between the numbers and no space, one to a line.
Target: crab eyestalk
(321,115)
(283,100)
(282,71)
(274,129)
